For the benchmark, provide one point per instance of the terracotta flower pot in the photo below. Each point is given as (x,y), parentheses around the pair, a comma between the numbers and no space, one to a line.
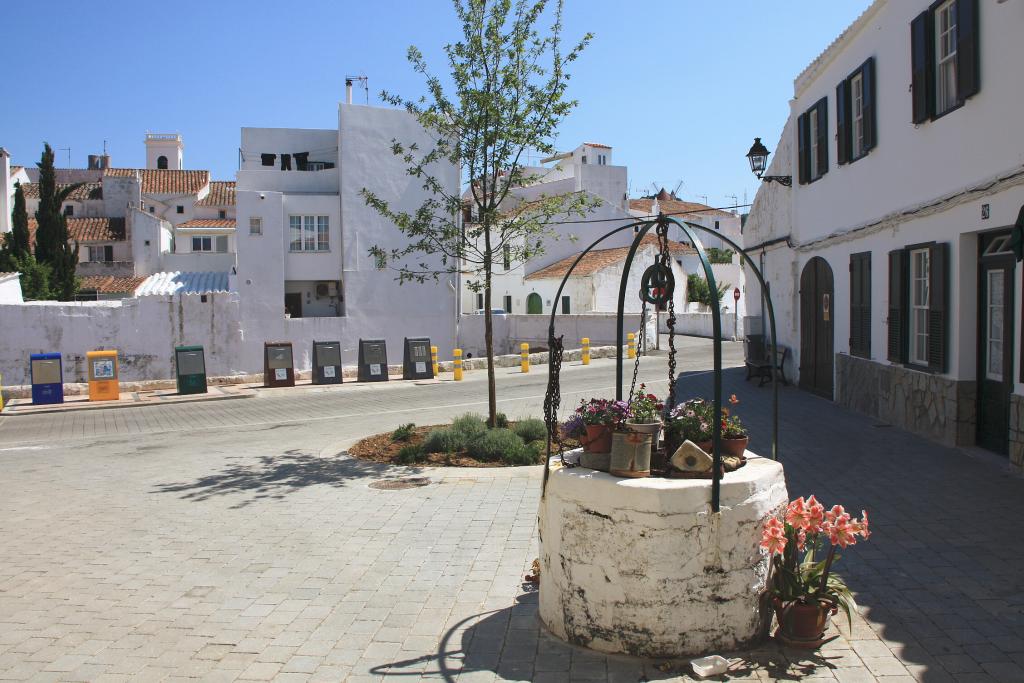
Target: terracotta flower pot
(735,446)
(631,454)
(706,446)
(598,439)
(804,621)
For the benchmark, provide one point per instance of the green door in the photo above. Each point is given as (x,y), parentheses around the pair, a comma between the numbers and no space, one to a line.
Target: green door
(534,305)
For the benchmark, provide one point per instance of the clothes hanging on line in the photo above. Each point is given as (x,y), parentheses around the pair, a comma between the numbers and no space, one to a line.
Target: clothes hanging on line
(301,160)
(286,162)
(268,159)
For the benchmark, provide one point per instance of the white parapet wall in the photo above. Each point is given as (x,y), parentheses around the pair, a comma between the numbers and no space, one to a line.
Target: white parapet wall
(512,330)
(643,567)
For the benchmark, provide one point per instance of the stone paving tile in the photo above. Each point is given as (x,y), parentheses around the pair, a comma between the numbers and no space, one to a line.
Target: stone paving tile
(234,551)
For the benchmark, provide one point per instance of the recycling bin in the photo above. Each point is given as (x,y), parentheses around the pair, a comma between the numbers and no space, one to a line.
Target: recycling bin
(373,360)
(327,362)
(190,369)
(416,362)
(102,375)
(278,366)
(47,372)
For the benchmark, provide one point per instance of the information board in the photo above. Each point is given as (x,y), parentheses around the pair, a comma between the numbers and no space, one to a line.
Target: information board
(278,368)
(416,362)
(46,372)
(191,363)
(327,362)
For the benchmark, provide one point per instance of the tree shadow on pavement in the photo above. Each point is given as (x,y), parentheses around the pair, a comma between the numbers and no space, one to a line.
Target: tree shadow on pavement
(275,476)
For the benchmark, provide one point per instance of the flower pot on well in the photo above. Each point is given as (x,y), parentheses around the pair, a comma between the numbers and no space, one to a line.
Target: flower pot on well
(735,446)
(595,461)
(631,454)
(598,439)
(652,428)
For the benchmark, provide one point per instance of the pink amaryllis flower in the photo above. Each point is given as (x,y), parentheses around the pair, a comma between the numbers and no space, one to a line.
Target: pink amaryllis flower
(797,514)
(815,515)
(773,538)
(861,525)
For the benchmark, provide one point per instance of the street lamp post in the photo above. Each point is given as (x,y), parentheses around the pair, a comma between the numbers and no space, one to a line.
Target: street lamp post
(758,157)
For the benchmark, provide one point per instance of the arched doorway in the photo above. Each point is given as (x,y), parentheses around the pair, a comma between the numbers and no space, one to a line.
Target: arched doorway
(817,312)
(534,304)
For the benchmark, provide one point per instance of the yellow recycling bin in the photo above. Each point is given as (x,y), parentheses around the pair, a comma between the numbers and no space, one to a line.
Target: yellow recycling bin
(103,382)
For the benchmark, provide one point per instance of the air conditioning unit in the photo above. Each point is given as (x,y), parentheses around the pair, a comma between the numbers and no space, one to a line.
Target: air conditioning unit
(321,290)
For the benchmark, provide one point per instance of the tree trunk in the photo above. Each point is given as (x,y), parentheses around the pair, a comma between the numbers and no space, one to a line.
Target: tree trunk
(492,398)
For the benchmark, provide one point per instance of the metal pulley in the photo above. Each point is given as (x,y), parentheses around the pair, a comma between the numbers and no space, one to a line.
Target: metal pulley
(657,285)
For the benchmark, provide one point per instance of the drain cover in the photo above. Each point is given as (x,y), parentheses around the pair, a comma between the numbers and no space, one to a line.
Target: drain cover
(404,483)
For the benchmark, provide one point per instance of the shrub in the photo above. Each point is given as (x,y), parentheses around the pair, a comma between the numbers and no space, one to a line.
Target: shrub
(500,421)
(443,440)
(403,433)
(495,444)
(531,429)
(407,455)
(469,426)
(526,454)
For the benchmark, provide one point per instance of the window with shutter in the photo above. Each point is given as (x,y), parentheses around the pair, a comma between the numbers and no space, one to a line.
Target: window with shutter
(897,306)
(855,113)
(945,58)
(812,142)
(860,304)
(921,63)
(843,113)
(938,305)
(803,149)
(822,131)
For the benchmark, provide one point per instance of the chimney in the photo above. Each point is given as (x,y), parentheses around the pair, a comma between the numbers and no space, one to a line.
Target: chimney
(348,91)
(5,191)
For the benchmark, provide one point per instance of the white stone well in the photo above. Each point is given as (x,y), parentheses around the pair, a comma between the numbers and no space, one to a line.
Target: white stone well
(643,567)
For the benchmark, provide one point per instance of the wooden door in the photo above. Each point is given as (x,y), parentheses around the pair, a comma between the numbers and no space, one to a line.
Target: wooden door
(817,313)
(534,304)
(995,347)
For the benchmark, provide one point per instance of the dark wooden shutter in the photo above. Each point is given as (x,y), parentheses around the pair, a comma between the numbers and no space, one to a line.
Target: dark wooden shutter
(867,74)
(938,306)
(844,132)
(822,107)
(897,305)
(922,61)
(860,304)
(968,62)
(803,149)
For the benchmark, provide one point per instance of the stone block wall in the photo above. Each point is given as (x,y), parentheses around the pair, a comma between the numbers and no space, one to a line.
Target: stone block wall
(1017,432)
(933,406)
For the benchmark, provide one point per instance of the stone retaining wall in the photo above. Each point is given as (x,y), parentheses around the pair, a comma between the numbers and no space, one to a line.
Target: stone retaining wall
(931,405)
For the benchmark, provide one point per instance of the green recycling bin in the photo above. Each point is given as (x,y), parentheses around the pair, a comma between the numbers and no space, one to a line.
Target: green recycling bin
(191,369)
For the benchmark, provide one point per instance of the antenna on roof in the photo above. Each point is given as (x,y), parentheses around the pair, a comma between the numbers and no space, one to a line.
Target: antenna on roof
(68,150)
(704,197)
(363,80)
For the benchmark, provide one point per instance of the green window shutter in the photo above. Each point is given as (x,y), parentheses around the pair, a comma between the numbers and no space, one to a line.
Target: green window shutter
(860,304)
(938,306)
(803,145)
(922,66)
(870,120)
(897,348)
(968,62)
(822,107)
(843,128)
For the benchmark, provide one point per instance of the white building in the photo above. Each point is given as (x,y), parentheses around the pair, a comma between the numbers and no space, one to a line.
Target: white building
(304,267)
(131,222)
(889,258)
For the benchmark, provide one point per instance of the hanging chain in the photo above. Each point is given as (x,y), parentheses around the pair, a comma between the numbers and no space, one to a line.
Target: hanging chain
(641,341)
(553,399)
(666,262)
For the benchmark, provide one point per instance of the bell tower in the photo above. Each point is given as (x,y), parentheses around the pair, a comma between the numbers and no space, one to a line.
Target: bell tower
(164,151)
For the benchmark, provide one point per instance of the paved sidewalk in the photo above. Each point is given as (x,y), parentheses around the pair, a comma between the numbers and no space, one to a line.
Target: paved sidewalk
(232,543)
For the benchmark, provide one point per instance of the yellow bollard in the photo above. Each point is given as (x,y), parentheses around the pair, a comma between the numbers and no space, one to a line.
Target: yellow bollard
(524,357)
(457,363)
(433,359)
(631,345)
(585,356)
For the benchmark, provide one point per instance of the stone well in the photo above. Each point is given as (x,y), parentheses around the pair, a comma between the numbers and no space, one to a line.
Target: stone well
(643,567)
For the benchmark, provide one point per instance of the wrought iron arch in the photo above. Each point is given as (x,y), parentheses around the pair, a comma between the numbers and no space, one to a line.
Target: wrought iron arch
(552,397)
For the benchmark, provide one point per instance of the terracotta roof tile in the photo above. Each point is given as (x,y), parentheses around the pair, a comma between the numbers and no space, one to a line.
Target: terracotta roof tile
(108,284)
(599,259)
(157,181)
(676,206)
(208,223)
(222,193)
(596,144)
(84,192)
(88,229)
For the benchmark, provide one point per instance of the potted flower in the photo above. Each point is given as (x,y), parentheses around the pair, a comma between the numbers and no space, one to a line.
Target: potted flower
(632,442)
(645,413)
(694,420)
(598,417)
(804,591)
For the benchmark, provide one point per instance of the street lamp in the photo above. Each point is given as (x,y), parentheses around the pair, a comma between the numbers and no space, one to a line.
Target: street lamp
(758,157)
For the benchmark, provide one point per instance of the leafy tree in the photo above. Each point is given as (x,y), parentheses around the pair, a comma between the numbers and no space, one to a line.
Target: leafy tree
(698,291)
(52,247)
(508,80)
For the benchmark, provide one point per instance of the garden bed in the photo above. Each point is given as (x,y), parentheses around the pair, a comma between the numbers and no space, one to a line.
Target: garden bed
(467,442)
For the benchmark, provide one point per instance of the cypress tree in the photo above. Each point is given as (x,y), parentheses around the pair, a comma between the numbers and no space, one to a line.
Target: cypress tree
(19,239)
(52,246)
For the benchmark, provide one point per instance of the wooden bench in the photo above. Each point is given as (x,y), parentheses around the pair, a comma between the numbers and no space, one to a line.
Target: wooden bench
(756,359)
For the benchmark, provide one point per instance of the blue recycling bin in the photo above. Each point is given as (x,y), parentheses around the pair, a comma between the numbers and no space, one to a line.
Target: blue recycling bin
(47,373)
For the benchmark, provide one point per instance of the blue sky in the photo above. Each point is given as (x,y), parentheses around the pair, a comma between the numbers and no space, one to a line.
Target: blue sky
(678,88)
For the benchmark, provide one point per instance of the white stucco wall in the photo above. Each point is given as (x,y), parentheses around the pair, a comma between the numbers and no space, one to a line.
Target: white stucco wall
(10,289)
(512,330)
